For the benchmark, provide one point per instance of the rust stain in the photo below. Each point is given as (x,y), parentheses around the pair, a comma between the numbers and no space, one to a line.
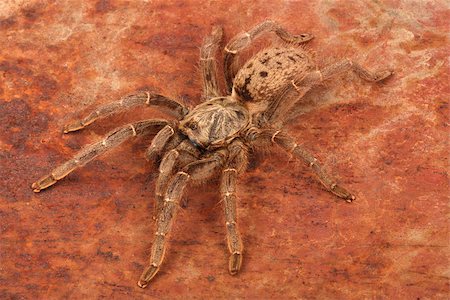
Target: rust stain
(103,6)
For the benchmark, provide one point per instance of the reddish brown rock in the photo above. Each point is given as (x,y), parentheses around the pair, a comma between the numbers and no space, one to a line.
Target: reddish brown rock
(90,235)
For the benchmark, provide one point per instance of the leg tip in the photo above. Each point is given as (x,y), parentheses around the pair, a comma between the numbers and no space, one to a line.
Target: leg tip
(147,276)
(35,187)
(235,263)
(43,183)
(342,193)
(350,199)
(142,284)
(384,75)
(66,128)
(303,38)
(72,127)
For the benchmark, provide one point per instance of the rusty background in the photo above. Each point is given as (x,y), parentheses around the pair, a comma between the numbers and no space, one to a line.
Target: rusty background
(90,235)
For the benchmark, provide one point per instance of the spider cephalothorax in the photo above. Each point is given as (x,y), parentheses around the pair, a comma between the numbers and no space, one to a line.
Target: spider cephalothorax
(215,123)
(214,138)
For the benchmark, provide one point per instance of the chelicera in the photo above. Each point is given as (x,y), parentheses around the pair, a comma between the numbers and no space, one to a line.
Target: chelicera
(216,137)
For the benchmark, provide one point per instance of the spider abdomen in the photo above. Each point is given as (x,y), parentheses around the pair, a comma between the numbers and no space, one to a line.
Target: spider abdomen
(269,71)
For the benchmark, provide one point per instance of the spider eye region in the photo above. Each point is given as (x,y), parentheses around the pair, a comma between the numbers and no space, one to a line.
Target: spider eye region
(192,125)
(215,122)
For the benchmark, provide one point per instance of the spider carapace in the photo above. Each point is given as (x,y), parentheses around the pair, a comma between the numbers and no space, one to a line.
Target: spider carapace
(216,137)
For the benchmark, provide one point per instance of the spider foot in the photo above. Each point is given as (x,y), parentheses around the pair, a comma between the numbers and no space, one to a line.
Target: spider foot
(342,193)
(379,76)
(74,126)
(302,38)
(235,263)
(43,183)
(147,276)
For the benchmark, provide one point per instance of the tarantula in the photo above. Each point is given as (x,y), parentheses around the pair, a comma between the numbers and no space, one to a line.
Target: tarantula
(216,136)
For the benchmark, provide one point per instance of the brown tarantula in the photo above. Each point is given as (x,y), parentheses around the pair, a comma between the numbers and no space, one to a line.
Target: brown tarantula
(215,136)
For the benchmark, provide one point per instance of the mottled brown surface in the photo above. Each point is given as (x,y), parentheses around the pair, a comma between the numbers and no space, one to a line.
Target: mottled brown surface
(89,236)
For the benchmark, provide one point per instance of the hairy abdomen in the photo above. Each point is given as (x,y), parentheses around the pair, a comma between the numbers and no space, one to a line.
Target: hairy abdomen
(269,71)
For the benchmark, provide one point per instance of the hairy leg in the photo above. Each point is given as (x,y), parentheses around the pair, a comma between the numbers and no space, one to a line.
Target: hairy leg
(159,142)
(111,140)
(289,145)
(281,106)
(208,63)
(145,98)
(241,41)
(195,171)
(236,163)
(166,169)
(342,67)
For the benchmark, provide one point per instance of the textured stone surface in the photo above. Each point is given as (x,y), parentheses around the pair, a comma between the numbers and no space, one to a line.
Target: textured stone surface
(89,236)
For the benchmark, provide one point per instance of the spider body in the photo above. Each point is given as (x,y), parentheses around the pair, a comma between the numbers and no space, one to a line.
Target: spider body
(216,136)
(269,71)
(215,123)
